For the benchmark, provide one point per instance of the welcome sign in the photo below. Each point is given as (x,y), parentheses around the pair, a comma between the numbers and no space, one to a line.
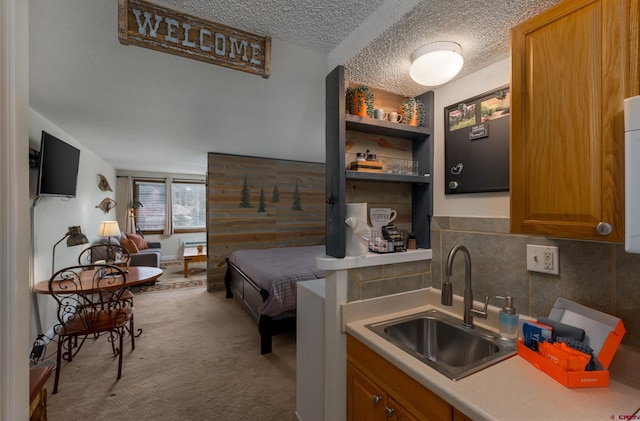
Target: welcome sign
(158,28)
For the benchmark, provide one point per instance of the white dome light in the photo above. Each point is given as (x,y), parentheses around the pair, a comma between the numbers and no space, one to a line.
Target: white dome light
(437,63)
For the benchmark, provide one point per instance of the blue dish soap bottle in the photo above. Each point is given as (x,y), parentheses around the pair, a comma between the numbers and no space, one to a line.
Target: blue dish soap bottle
(508,322)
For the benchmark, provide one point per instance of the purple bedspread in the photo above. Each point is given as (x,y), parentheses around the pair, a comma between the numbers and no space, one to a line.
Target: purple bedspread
(276,270)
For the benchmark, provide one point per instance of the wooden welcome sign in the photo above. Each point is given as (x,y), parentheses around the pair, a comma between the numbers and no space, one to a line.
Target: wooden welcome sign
(158,28)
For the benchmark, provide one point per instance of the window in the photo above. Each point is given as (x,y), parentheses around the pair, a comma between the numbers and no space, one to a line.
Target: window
(189,211)
(188,206)
(152,195)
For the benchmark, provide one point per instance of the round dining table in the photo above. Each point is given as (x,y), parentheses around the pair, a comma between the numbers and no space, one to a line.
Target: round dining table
(135,275)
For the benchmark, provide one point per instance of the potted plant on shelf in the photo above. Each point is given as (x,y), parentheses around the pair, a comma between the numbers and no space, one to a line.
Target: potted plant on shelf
(413,112)
(359,101)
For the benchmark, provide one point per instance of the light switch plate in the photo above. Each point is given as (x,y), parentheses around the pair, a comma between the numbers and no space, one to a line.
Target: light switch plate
(543,259)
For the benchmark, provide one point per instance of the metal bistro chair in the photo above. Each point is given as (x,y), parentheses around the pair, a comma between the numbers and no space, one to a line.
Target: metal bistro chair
(116,255)
(110,253)
(90,303)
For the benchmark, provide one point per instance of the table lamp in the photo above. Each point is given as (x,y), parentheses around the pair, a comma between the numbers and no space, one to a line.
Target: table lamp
(109,229)
(74,237)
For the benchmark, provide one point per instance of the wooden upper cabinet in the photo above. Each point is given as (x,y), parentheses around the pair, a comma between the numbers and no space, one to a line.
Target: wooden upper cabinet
(572,67)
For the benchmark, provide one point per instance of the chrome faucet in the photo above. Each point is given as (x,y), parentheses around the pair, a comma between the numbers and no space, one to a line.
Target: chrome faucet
(447,289)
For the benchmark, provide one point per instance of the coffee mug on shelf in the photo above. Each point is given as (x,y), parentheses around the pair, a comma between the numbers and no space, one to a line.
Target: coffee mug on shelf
(394,117)
(379,114)
(381,216)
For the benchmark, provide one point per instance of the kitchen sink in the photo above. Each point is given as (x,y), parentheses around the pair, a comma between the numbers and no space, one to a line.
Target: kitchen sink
(442,342)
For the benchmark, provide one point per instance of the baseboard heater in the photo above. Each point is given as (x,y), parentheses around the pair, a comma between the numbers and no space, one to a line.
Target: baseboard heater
(193,243)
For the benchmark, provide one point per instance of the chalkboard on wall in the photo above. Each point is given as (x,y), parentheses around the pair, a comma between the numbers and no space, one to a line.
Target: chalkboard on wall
(477,143)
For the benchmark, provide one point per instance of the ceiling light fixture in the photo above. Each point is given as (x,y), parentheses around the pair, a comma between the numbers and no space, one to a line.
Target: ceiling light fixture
(436,63)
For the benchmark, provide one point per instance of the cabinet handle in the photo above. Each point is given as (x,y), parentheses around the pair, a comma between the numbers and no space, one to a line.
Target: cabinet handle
(377,399)
(604,228)
(389,412)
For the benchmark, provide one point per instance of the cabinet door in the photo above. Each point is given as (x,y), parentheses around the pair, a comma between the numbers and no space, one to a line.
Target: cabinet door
(570,74)
(396,412)
(365,399)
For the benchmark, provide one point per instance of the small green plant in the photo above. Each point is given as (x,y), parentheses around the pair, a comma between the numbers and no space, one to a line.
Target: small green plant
(409,107)
(365,99)
(350,99)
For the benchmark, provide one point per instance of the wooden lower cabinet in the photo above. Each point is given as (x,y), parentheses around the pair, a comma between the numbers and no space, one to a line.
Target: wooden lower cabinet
(366,400)
(378,390)
(396,412)
(370,402)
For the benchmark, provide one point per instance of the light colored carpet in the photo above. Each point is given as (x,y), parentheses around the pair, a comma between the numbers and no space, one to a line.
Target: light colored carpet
(197,359)
(173,277)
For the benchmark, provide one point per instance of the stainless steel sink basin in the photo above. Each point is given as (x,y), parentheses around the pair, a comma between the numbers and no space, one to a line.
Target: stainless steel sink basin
(444,343)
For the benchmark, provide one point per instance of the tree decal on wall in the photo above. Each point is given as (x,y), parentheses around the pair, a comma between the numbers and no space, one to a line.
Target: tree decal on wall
(296,199)
(244,195)
(261,207)
(275,197)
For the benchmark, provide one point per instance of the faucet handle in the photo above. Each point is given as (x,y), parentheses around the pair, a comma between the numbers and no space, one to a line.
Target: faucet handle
(481,313)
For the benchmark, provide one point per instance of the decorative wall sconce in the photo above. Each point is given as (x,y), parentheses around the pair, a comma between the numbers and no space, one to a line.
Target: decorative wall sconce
(103,184)
(107,204)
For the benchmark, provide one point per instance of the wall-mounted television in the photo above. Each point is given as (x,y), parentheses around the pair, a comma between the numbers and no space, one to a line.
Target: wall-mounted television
(58,173)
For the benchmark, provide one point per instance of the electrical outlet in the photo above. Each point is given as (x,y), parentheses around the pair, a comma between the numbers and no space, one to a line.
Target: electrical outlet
(543,259)
(547,260)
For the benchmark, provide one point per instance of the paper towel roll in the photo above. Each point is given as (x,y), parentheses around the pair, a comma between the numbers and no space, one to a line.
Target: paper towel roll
(357,234)
(357,210)
(357,237)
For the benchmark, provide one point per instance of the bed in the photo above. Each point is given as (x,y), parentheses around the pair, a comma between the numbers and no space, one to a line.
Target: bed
(264,281)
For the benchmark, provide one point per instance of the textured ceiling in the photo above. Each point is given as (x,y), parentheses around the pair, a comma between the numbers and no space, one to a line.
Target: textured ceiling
(316,24)
(481,27)
(141,110)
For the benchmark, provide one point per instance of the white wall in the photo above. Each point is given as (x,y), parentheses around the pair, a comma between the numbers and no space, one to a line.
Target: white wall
(470,204)
(52,216)
(178,109)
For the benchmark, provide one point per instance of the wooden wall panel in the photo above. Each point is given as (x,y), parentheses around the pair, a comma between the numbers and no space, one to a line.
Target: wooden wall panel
(290,211)
(383,195)
(385,148)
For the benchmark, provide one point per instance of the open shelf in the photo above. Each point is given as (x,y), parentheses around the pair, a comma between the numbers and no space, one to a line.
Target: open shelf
(347,133)
(385,128)
(401,178)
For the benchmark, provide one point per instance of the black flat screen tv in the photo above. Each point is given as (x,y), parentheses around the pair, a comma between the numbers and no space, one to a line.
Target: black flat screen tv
(58,174)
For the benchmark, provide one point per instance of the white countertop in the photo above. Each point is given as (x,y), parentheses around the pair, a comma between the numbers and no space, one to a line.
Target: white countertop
(371,259)
(509,390)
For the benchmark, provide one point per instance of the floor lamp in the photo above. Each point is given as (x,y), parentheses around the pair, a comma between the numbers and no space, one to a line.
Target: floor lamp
(109,229)
(74,237)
